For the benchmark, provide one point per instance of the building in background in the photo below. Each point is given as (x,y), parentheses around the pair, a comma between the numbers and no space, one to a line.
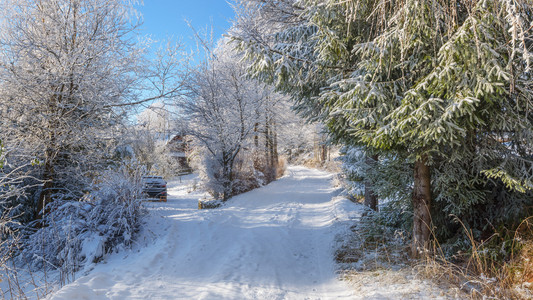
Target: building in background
(178,147)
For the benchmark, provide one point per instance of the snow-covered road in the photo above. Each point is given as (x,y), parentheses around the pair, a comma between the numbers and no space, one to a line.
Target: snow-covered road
(275,242)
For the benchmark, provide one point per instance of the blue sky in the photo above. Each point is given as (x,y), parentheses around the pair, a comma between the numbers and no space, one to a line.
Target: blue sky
(164,18)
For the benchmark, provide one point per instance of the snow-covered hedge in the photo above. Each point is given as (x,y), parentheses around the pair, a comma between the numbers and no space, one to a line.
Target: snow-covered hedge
(77,233)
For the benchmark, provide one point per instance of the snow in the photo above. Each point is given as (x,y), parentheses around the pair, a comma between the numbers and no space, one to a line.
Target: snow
(275,242)
(92,247)
(178,154)
(400,284)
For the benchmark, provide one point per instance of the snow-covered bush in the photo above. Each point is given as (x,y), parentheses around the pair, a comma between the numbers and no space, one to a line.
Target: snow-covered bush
(248,175)
(248,172)
(390,180)
(9,245)
(9,189)
(77,233)
(354,170)
(165,164)
(11,209)
(389,177)
(9,240)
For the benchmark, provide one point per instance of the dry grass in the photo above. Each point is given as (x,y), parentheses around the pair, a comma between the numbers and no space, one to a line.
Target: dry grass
(376,264)
(282,166)
(366,257)
(403,283)
(363,253)
(482,273)
(331,166)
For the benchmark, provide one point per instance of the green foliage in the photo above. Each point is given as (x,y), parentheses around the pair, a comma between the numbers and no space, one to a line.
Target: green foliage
(447,79)
(510,182)
(36,162)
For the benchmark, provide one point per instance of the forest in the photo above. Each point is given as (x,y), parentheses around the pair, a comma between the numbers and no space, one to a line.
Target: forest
(420,107)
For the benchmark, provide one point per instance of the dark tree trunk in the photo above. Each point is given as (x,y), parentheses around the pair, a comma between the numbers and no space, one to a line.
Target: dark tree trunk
(421,207)
(274,150)
(227,173)
(256,135)
(50,154)
(371,199)
(256,158)
(48,179)
(267,145)
(269,168)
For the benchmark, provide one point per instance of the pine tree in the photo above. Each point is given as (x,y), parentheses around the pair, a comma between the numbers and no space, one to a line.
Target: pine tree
(442,83)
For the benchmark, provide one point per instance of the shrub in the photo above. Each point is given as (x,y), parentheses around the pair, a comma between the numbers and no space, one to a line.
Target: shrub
(74,234)
(248,172)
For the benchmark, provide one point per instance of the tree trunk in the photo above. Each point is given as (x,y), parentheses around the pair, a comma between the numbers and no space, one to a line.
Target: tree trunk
(50,153)
(274,149)
(256,135)
(227,173)
(323,152)
(421,207)
(269,155)
(48,179)
(255,154)
(371,199)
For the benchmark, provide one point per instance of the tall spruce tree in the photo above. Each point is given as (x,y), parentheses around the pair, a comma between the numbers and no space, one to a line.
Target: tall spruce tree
(445,83)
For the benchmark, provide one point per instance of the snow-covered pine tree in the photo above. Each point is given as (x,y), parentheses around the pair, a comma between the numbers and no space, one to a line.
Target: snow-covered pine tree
(471,112)
(453,68)
(446,83)
(281,39)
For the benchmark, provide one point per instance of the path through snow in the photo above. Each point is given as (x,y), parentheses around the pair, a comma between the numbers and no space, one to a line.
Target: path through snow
(275,242)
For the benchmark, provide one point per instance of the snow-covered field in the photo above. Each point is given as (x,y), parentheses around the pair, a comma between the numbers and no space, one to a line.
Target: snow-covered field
(276,242)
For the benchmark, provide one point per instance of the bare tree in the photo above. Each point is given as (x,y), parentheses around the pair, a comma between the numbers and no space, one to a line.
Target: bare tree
(222,114)
(68,69)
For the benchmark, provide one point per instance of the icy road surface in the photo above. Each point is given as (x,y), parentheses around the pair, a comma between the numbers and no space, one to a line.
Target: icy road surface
(275,242)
